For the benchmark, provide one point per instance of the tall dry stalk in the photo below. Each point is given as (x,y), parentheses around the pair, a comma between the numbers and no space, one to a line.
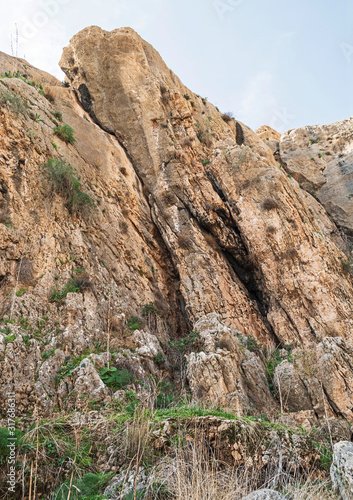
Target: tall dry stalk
(30,482)
(77,441)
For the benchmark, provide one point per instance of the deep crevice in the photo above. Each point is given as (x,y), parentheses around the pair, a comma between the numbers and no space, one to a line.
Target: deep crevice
(88,108)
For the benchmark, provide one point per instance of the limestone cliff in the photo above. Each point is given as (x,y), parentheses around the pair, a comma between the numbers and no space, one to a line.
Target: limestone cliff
(195,225)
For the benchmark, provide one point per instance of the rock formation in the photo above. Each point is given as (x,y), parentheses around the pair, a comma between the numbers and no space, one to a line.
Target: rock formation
(320,159)
(198,225)
(342,469)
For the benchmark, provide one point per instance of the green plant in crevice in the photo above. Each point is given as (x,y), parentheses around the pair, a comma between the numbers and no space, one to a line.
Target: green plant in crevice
(75,285)
(65,133)
(274,360)
(191,342)
(134,323)
(63,181)
(165,394)
(87,487)
(14,102)
(149,309)
(252,344)
(20,292)
(116,379)
(58,115)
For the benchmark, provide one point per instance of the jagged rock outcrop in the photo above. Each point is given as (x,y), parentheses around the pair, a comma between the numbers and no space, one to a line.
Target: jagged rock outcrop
(318,379)
(342,469)
(222,208)
(193,215)
(320,158)
(226,373)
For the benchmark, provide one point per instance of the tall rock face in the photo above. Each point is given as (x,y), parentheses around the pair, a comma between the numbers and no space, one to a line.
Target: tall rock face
(244,239)
(321,159)
(195,225)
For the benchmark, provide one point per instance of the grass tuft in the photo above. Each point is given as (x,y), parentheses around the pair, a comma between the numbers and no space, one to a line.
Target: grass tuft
(65,133)
(64,182)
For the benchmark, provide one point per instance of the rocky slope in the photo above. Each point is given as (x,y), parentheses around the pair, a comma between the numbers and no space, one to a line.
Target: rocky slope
(197,226)
(320,158)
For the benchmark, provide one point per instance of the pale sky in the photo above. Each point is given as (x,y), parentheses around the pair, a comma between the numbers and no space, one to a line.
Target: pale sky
(281,63)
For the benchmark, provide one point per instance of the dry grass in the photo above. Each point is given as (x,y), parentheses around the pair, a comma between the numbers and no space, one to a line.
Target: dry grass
(189,473)
(211,240)
(290,253)
(227,117)
(185,242)
(165,94)
(205,135)
(49,95)
(186,142)
(190,465)
(270,204)
(271,229)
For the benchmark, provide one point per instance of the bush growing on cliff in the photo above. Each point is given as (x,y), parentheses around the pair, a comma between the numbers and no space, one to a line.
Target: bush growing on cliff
(189,343)
(15,103)
(64,182)
(347,265)
(75,285)
(227,117)
(65,133)
(116,379)
(58,115)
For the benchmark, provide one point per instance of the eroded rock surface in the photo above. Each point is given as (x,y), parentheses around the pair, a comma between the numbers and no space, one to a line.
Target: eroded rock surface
(225,373)
(193,216)
(320,158)
(342,469)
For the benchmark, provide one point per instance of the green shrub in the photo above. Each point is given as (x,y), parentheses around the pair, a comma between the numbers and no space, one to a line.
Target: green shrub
(271,365)
(159,359)
(165,395)
(227,117)
(252,344)
(64,182)
(65,133)
(58,115)
(150,309)
(116,379)
(132,495)
(10,338)
(47,354)
(86,488)
(134,323)
(15,103)
(326,455)
(190,342)
(73,286)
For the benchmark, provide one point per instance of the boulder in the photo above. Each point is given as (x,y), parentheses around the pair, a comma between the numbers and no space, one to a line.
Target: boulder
(342,469)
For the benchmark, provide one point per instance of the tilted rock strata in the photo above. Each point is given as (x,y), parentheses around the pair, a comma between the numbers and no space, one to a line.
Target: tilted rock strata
(192,214)
(240,233)
(320,157)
